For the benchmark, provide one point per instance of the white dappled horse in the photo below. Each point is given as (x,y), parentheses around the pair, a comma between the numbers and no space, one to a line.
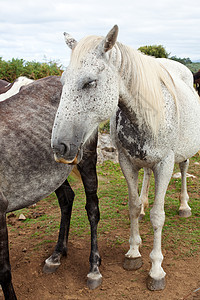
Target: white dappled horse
(155,123)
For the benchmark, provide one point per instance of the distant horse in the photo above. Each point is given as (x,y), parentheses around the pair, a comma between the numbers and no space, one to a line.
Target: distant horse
(10,89)
(154,123)
(197,81)
(28,171)
(3,84)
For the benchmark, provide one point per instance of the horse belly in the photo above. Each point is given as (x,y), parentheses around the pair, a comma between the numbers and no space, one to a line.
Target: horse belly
(30,189)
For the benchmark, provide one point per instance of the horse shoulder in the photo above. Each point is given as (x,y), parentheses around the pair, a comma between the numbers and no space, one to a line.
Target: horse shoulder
(130,136)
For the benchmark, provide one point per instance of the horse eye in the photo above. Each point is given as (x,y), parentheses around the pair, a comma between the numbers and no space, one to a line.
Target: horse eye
(92,83)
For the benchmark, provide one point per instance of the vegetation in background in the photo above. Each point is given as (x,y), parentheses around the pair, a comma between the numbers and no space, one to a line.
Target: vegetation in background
(154,50)
(184,61)
(194,67)
(104,127)
(12,69)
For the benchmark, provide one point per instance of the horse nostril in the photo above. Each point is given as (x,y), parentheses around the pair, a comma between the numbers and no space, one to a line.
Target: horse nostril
(63,149)
(60,148)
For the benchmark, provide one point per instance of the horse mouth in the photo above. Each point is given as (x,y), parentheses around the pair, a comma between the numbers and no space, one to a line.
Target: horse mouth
(64,161)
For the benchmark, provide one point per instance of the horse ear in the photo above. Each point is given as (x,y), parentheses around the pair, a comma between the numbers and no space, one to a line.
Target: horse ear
(110,39)
(70,41)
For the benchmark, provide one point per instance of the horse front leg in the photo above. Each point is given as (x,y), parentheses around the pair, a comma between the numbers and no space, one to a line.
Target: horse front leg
(133,260)
(5,268)
(184,210)
(87,169)
(162,173)
(65,197)
(145,191)
(94,277)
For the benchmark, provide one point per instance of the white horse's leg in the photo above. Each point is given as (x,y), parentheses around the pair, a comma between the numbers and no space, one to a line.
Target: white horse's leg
(133,258)
(162,172)
(184,210)
(145,190)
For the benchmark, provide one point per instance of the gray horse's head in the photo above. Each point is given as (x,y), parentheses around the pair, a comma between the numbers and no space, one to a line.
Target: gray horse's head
(89,96)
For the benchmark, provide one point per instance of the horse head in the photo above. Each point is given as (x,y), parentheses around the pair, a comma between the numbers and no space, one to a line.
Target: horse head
(89,95)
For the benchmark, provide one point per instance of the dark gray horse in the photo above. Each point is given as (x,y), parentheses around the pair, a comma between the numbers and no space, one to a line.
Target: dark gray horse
(197,81)
(28,171)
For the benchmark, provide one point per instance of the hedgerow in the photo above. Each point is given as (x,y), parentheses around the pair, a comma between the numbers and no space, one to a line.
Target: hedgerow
(12,69)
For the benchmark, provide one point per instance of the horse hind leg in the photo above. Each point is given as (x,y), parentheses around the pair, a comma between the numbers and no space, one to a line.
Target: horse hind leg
(133,260)
(184,210)
(65,197)
(5,268)
(145,191)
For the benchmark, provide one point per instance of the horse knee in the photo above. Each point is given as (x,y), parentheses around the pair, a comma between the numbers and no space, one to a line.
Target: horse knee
(135,208)
(65,195)
(92,208)
(157,218)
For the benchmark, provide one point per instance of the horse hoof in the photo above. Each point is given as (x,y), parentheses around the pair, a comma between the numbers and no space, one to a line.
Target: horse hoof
(94,281)
(132,263)
(185,213)
(50,267)
(155,284)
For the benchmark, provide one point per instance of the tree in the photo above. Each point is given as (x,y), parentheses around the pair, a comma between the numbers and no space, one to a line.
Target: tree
(155,50)
(184,61)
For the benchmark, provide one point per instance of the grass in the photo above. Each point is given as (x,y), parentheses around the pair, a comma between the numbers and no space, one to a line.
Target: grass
(180,235)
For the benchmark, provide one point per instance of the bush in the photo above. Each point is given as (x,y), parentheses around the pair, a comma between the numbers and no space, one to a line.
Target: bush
(12,69)
(154,50)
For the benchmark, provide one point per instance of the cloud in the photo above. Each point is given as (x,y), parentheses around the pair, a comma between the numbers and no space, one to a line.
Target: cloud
(34,29)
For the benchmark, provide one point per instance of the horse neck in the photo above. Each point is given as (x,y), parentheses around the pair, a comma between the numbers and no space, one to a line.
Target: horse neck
(123,59)
(140,90)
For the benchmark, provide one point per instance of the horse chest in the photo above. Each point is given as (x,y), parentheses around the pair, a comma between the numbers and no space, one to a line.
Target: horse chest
(130,136)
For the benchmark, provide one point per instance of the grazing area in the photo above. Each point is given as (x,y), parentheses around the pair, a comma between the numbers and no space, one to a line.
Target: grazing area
(32,240)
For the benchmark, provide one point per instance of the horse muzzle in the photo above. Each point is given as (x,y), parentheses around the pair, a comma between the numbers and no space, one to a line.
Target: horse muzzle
(64,161)
(67,153)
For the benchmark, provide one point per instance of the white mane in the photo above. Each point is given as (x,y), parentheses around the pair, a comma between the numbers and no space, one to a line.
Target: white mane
(19,82)
(143,76)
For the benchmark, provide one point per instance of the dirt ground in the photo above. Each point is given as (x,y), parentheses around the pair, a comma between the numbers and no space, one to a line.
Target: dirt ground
(69,281)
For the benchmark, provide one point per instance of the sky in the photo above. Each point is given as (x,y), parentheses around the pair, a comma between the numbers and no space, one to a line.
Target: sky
(33,29)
